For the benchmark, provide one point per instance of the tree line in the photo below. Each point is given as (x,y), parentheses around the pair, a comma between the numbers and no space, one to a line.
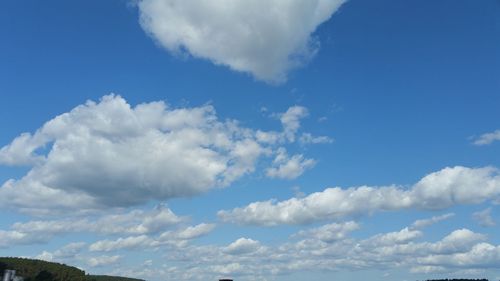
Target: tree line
(38,270)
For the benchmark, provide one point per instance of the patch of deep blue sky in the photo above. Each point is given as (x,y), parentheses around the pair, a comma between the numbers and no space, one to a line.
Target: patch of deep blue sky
(402,84)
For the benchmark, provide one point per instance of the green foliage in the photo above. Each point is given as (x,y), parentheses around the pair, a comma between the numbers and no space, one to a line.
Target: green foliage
(109,278)
(38,270)
(44,276)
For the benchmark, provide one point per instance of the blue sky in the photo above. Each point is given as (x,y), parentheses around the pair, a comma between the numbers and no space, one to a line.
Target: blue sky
(258,140)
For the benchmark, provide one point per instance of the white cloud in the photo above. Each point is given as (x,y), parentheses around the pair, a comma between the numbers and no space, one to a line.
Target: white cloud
(69,251)
(103,260)
(195,231)
(182,235)
(427,222)
(132,222)
(242,246)
(285,167)
(487,138)
(307,138)
(264,38)
(20,151)
(247,259)
(110,154)
(484,218)
(291,121)
(438,190)
(458,241)
(10,238)
(331,232)
(178,238)
(482,255)
(457,185)
(133,242)
(45,256)
(136,221)
(394,238)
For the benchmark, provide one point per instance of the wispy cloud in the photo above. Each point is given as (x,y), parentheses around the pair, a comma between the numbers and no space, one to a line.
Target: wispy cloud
(484,218)
(487,138)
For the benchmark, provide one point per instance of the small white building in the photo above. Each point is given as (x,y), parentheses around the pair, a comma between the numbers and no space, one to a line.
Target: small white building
(10,275)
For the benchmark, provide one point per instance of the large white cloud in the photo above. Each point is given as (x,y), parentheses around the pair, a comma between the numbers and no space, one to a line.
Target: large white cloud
(438,190)
(110,154)
(266,38)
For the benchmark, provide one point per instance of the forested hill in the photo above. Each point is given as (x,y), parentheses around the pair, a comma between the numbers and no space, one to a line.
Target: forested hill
(38,270)
(109,278)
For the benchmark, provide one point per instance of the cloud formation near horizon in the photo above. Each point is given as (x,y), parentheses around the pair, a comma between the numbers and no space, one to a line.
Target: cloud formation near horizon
(266,38)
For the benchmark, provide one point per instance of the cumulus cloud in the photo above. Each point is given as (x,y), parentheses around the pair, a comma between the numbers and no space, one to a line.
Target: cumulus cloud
(482,255)
(242,246)
(487,138)
(484,218)
(264,38)
(285,167)
(110,154)
(438,190)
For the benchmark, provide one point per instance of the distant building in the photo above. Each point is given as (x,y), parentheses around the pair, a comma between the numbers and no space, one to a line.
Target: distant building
(10,275)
